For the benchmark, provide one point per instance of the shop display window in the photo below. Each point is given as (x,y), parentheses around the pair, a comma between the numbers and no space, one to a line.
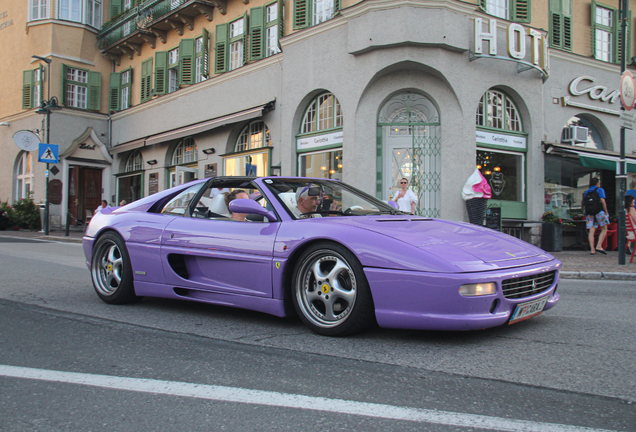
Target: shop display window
(504,172)
(565,182)
(326,164)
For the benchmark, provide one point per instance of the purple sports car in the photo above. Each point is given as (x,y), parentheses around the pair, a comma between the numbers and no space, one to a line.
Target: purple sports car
(340,258)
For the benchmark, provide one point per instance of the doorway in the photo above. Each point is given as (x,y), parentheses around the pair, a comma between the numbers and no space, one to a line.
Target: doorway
(84,193)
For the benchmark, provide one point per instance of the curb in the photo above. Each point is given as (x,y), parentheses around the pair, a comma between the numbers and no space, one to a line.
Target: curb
(585,275)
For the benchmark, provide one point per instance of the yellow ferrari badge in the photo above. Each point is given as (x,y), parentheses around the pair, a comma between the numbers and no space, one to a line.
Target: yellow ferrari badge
(277,265)
(325,288)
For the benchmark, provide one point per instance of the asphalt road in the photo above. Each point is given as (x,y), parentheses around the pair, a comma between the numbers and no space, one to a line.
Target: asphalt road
(70,362)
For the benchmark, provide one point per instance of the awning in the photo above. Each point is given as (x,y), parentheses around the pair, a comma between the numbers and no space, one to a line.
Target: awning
(591,158)
(195,128)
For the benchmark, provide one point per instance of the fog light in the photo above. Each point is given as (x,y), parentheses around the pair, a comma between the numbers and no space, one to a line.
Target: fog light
(478,289)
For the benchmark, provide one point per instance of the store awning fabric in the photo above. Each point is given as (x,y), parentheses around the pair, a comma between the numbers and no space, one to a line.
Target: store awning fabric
(195,128)
(605,161)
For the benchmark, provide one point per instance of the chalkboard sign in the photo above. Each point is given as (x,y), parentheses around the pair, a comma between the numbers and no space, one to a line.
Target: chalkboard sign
(493,218)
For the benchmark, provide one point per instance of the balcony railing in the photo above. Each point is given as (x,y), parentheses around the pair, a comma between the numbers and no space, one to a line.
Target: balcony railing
(137,18)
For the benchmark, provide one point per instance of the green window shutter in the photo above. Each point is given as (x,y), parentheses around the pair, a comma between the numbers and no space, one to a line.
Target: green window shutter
(593,24)
(482,5)
(146,80)
(302,13)
(522,11)
(220,50)
(161,72)
(245,34)
(257,30)
(281,21)
(27,90)
(617,38)
(94,91)
(186,61)
(205,54)
(336,6)
(561,24)
(114,91)
(64,84)
(115,8)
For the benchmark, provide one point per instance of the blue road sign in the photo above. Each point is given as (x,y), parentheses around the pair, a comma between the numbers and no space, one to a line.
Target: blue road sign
(49,153)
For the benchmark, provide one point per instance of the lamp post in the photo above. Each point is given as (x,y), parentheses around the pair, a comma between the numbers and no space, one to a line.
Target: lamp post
(46,107)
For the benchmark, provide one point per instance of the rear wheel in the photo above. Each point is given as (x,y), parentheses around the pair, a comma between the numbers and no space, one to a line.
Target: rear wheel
(330,292)
(111,270)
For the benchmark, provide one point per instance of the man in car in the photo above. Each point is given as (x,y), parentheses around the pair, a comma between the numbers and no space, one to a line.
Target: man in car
(306,203)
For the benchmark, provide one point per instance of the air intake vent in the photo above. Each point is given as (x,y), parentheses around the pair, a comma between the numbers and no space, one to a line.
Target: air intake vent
(527,285)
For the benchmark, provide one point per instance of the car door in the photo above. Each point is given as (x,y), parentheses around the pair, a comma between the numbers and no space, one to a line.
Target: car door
(219,255)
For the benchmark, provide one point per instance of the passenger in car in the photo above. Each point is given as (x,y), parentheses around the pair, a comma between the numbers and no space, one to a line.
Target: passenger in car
(306,204)
(236,194)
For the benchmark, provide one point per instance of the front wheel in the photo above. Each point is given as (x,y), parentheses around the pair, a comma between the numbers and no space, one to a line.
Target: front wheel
(330,292)
(111,270)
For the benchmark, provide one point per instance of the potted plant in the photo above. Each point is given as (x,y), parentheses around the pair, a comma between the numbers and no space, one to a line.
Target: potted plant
(551,232)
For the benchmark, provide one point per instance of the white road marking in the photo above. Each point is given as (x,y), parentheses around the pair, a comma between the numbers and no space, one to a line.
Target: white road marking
(286,400)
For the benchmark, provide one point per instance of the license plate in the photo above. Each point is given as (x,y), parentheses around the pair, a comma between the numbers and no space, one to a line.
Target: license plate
(528,310)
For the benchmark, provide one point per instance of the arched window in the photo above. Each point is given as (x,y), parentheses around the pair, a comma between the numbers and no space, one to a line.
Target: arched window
(185,152)
(496,110)
(319,142)
(254,135)
(134,162)
(501,151)
(582,132)
(24,176)
(322,113)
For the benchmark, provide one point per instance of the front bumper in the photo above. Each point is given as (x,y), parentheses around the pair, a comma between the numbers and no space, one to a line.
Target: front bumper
(431,301)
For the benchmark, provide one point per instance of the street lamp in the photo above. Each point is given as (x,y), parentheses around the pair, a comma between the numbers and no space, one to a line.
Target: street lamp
(48,105)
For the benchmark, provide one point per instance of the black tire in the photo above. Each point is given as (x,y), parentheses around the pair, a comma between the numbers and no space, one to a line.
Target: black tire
(330,292)
(111,270)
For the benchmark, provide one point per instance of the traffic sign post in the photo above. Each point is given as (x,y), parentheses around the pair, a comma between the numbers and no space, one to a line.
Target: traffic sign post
(628,97)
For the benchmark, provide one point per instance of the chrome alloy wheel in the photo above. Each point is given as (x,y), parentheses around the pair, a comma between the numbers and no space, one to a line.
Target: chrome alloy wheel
(108,268)
(326,290)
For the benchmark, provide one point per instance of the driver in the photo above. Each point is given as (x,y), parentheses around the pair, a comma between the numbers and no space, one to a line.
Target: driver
(306,204)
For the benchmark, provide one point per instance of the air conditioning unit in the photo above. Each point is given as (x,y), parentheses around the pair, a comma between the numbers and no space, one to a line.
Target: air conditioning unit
(575,134)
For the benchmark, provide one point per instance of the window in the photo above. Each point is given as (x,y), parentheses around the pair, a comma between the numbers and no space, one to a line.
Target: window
(82,89)
(178,205)
(237,32)
(606,32)
(82,11)
(32,87)
(312,12)
(119,96)
(565,182)
(134,162)
(514,10)
(185,152)
(39,9)
(173,70)
(24,176)
(323,113)
(496,110)
(265,30)
(201,57)
(251,164)
(326,164)
(504,173)
(254,135)
(561,24)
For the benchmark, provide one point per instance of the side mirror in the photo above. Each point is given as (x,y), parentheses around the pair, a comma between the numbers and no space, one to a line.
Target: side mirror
(248,206)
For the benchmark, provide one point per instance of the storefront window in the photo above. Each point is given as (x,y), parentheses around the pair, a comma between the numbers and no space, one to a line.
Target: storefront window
(252,165)
(565,182)
(326,164)
(504,172)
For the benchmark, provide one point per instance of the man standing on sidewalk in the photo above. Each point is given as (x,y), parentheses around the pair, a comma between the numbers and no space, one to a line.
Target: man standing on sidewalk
(596,214)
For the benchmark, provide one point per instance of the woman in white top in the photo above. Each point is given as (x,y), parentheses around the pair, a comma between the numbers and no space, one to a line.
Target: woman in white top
(406,198)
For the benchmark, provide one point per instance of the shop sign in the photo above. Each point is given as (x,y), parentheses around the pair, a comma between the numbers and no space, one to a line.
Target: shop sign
(597,92)
(511,141)
(517,37)
(311,142)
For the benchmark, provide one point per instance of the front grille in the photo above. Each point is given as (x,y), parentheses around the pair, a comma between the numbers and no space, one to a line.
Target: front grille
(527,285)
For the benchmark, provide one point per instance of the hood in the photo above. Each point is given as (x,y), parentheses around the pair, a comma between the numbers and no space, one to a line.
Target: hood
(465,245)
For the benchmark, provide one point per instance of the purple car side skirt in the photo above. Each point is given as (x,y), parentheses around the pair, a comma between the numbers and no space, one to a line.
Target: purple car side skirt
(431,301)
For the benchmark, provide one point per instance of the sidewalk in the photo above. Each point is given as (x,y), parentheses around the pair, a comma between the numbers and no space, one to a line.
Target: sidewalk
(576,264)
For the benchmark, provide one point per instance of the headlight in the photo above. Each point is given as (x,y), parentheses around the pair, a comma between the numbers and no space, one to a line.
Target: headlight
(478,289)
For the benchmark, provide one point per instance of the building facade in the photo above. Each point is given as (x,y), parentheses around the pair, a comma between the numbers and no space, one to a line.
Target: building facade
(364,91)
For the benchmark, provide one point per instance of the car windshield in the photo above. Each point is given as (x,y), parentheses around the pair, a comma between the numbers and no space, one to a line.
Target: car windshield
(305,198)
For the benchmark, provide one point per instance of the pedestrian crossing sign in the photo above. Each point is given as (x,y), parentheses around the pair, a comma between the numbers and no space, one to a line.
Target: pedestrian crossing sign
(49,153)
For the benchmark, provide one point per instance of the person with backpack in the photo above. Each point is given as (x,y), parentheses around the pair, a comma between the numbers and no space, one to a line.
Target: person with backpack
(596,214)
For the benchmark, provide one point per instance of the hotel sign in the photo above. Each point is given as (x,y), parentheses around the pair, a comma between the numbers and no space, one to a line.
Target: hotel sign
(519,41)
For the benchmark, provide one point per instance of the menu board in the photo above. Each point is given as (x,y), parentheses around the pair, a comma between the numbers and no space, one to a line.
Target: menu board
(493,218)
(153,183)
